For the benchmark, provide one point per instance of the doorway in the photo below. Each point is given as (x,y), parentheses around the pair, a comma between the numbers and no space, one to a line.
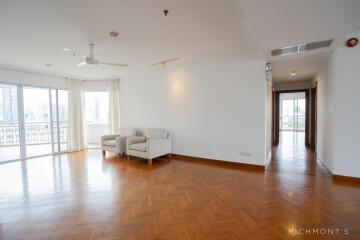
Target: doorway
(293,132)
(291,117)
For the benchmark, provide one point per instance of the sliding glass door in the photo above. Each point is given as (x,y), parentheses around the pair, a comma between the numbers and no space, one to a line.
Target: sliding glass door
(292,116)
(9,123)
(33,122)
(59,106)
(37,124)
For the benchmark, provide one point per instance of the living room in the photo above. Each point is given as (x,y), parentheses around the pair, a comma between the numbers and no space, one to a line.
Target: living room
(179,119)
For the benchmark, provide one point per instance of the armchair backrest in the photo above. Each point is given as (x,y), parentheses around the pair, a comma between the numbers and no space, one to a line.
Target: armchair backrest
(127,132)
(156,133)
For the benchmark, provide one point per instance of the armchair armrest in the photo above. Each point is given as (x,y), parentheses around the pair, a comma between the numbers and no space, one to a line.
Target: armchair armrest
(158,146)
(109,137)
(134,139)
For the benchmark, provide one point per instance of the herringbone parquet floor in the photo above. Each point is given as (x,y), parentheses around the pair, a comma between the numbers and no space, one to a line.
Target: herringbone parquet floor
(82,196)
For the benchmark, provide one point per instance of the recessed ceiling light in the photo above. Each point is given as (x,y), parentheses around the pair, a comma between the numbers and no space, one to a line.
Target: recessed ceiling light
(48,64)
(66,49)
(293,73)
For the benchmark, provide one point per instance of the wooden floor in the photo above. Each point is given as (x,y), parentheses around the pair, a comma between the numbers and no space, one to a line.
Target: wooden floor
(83,196)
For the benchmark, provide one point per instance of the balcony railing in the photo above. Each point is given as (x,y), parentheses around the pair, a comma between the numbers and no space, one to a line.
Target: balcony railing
(35,133)
(292,123)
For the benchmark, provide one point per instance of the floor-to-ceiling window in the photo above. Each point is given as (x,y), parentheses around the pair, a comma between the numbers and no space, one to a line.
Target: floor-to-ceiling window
(33,122)
(292,117)
(37,121)
(96,117)
(9,123)
(60,119)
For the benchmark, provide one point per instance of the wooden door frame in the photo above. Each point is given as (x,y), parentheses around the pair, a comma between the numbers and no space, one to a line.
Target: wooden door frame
(277,114)
(313,120)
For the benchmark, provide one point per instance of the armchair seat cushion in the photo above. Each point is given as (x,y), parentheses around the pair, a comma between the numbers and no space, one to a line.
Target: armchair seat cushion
(110,143)
(138,147)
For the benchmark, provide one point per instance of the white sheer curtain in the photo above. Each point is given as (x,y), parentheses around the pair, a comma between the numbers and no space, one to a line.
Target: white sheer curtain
(114,107)
(76,138)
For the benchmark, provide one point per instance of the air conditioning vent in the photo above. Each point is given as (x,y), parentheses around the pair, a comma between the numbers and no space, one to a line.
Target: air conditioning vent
(316,45)
(300,48)
(285,51)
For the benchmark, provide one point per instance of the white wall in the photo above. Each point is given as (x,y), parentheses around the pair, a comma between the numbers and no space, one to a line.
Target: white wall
(293,95)
(269,122)
(215,109)
(338,138)
(10,76)
(283,86)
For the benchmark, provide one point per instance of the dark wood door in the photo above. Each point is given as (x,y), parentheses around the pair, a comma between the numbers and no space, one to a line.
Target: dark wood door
(313,117)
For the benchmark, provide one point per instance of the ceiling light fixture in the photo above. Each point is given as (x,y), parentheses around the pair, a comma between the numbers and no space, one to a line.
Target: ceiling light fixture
(293,73)
(268,67)
(66,49)
(165,62)
(114,34)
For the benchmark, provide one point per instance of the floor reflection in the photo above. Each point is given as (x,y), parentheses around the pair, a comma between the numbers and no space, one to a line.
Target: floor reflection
(291,155)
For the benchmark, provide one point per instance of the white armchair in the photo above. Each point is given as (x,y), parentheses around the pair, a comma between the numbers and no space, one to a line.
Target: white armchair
(116,143)
(155,143)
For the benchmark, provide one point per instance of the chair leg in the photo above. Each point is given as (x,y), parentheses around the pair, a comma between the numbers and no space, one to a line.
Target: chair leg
(121,154)
(169,156)
(103,152)
(128,158)
(149,163)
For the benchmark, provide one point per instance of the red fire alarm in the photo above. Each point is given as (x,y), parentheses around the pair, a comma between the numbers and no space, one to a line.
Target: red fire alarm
(352,42)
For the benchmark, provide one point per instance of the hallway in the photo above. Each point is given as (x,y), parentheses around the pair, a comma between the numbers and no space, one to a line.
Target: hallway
(291,155)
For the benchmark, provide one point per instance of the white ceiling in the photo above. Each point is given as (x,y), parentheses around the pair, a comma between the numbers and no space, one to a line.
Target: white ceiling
(306,65)
(33,33)
(281,23)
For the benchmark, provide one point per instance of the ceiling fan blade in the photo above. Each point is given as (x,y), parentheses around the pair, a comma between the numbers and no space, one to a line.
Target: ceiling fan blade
(165,61)
(171,60)
(81,64)
(115,64)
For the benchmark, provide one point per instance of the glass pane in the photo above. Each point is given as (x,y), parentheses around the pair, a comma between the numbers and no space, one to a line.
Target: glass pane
(292,114)
(54,118)
(287,108)
(96,117)
(287,123)
(300,109)
(96,107)
(37,121)
(301,124)
(63,118)
(9,125)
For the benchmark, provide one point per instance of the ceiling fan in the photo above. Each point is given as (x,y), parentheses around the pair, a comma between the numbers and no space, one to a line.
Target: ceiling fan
(164,63)
(91,60)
